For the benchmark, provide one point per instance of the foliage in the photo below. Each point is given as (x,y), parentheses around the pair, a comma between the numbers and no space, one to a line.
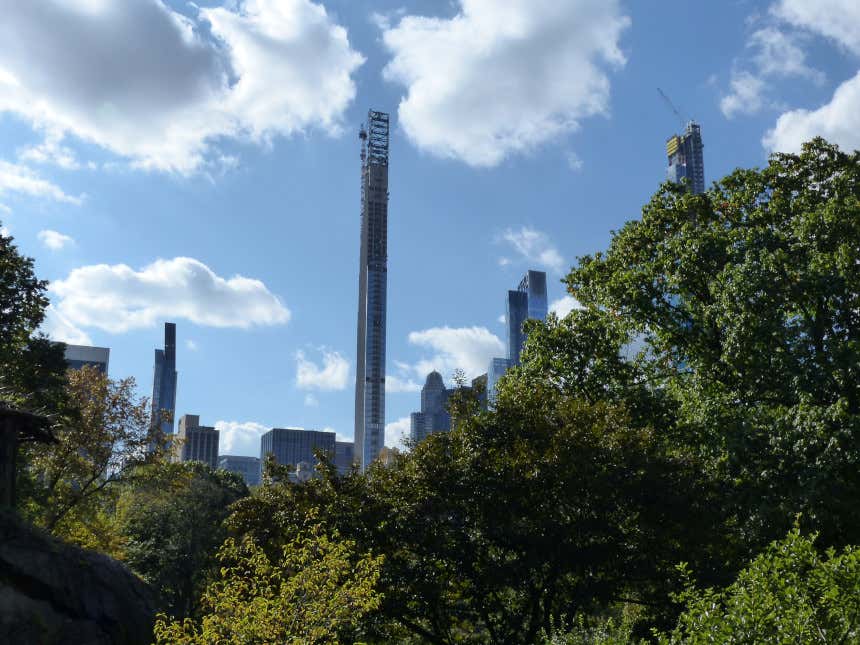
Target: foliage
(31,367)
(746,300)
(788,594)
(318,588)
(590,631)
(170,517)
(102,436)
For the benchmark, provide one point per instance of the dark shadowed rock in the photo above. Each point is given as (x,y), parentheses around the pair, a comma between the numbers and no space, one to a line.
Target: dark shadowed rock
(52,592)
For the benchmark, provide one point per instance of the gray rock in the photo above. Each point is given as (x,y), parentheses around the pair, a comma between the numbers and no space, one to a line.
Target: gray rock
(54,593)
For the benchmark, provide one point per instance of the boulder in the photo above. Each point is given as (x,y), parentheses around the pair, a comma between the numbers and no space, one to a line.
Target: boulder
(52,593)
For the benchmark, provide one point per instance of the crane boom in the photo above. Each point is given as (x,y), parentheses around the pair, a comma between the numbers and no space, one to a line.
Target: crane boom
(672,107)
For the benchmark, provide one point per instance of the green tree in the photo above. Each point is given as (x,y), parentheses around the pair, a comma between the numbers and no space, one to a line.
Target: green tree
(170,517)
(788,594)
(31,367)
(746,299)
(315,591)
(103,433)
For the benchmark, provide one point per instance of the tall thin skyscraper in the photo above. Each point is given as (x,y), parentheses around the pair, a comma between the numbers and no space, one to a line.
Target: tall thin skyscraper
(372,288)
(164,382)
(686,159)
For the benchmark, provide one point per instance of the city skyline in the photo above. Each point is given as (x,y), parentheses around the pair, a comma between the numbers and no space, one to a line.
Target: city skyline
(194,188)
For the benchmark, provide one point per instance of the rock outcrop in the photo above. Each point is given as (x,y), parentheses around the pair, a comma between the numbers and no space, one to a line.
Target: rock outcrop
(54,593)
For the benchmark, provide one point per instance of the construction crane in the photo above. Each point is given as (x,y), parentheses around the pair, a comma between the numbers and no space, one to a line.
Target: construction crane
(673,108)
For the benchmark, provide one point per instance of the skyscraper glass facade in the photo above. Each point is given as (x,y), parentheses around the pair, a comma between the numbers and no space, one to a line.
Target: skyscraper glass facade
(164,382)
(527,301)
(372,291)
(686,158)
(292,446)
(78,356)
(434,415)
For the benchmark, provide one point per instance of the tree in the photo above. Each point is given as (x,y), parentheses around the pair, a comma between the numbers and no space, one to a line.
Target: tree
(318,588)
(103,433)
(788,594)
(747,299)
(31,367)
(170,517)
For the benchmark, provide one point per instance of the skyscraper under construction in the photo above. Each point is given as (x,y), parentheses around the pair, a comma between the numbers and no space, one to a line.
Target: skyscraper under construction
(686,161)
(372,287)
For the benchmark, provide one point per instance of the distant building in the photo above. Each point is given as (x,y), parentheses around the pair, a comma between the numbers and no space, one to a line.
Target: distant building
(164,382)
(372,291)
(196,442)
(344,456)
(291,446)
(527,301)
(495,371)
(248,467)
(78,356)
(434,416)
(686,158)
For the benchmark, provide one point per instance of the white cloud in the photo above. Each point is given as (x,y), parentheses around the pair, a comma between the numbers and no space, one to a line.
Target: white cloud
(776,54)
(466,348)
(838,20)
(5,209)
(191,345)
(535,247)
(779,54)
(503,77)
(564,306)
(57,327)
(746,97)
(502,319)
(574,161)
(117,298)
(54,240)
(311,401)
(332,375)
(51,151)
(396,384)
(838,121)
(240,437)
(396,433)
(160,88)
(20,179)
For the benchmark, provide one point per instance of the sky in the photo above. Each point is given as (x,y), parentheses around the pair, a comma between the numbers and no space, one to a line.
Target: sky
(199,163)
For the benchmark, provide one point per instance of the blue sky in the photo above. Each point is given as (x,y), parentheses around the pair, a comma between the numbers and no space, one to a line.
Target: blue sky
(199,163)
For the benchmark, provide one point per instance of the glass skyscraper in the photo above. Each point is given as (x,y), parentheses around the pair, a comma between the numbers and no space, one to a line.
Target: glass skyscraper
(527,301)
(686,158)
(164,382)
(292,446)
(372,296)
(79,356)
(434,415)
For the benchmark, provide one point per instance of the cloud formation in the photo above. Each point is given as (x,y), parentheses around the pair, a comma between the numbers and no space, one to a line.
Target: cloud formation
(333,374)
(503,77)
(838,120)
(16,178)
(397,433)
(54,240)
(564,306)
(466,348)
(57,327)
(535,247)
(240,437)
(838,20)
(775,54)
(116,298)
(160,88)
